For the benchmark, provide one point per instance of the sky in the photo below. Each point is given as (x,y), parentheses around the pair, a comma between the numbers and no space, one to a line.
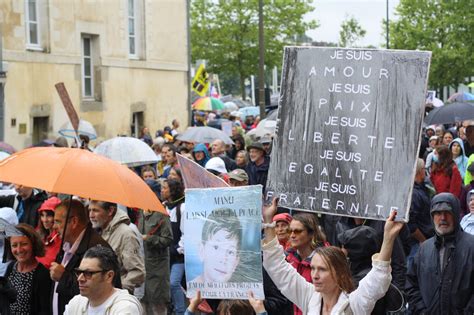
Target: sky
(369,13)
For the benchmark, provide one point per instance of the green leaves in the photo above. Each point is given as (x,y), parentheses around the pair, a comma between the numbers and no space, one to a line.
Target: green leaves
(225,33)
(350,32)
(444,27)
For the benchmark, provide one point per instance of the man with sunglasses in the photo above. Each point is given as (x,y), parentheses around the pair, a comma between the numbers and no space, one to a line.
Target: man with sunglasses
(98,271)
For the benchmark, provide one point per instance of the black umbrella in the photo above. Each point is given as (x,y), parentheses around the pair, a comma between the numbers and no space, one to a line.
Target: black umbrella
(450,113)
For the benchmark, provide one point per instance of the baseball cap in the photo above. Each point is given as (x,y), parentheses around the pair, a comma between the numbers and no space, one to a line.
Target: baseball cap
(285,217)
(216,164)
(238,175)
(50,204)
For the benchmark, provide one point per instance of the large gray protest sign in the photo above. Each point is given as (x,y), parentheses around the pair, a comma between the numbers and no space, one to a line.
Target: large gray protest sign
(348,132)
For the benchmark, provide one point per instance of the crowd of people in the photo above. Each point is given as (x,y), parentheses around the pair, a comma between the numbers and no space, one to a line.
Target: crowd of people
(117,260)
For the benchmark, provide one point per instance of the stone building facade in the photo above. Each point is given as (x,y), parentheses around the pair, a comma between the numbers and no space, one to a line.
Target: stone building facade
(124,63)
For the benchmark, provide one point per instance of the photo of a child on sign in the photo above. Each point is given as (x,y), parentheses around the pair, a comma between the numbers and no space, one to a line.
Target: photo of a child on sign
(220,246)
(222,257)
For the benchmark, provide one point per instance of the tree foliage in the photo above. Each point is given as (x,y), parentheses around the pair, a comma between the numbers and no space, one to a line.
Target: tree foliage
(444,27)
(350,32)
(225,33)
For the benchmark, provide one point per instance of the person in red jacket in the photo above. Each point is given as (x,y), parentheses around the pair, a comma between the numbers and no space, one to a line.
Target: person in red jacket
(50,237)
(445,175)
(305,237)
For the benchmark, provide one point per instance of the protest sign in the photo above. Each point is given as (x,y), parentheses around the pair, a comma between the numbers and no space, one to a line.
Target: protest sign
(226,127)
(196,176)
(348,133)
(222,240)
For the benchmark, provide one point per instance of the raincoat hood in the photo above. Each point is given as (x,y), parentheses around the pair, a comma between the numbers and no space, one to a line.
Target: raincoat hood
(468,198)
(461,144)
(119,218)
(201,147)
(361,243)
(447,202)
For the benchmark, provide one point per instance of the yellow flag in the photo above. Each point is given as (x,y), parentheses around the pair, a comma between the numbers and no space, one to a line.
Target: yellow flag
(200,83)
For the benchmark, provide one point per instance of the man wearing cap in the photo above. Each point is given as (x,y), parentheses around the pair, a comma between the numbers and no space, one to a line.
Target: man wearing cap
(238,177)
(217,167)
(266,142)
(257,169)
(440,280)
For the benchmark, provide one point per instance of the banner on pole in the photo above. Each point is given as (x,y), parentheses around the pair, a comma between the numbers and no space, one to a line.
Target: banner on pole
(200,83)
(70,110)
(351,119)
(196,176)
(222,240)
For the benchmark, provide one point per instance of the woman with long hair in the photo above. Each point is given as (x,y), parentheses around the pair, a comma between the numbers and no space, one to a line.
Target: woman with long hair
(50,237)
(445,175)
(332,290)
(305,237)
(172,196)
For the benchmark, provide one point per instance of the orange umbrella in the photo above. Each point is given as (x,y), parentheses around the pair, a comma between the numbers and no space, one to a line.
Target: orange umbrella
(81,173)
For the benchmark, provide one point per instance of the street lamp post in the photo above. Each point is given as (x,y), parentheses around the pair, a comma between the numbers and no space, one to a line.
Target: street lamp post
(388,29)
(261,61)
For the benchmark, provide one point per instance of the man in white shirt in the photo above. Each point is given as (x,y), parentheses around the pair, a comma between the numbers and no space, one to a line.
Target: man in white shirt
(98,295)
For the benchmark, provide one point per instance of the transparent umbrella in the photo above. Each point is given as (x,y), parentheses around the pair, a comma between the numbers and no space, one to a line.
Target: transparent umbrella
(85,128)
(204,135)
(127,150)
(7,229)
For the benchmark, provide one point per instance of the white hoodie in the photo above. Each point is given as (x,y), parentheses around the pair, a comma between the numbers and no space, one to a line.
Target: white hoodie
(119,303)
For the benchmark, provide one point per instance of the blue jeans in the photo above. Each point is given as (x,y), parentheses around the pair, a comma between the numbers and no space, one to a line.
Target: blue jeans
(177,294)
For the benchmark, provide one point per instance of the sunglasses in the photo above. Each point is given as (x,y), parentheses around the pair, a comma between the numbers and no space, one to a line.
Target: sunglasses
(296,231)
(87,273)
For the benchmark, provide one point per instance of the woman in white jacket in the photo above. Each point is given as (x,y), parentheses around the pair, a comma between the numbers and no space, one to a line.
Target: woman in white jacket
(332,290)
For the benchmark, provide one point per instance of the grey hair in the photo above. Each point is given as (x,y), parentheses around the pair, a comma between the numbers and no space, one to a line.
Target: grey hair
(420,165)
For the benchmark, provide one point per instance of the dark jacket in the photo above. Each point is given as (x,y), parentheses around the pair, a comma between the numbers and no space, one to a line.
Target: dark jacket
(157,258)
(30,206)
(420,217)
(67,286)
(449,290)
(230,164)
(175,256)
(258,173)
(361,243)
(398,259)
(40,302)
(7,296)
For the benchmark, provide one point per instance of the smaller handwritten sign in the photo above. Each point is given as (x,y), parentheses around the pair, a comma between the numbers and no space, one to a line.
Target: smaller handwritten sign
(222,240)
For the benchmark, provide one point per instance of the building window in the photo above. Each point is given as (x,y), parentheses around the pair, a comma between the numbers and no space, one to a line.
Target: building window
(132,28)
(32,23)
(87,68)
